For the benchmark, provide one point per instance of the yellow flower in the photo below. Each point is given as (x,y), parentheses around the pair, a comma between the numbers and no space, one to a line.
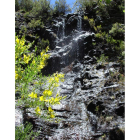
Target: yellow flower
(61,75)
(52,98)
(22,43)
(57,94)
(42,53)
(33,62)
(16,75)
(57,79)
(50,109)
(17,40)
(62,80)
(46,56)
(41,98)
(47,92)
(56,100)
(55,84)
(51,101)
(42,64)
(52,116)
(32,95)
(35,95)
(47,49)
(46,100)
(26,59)
(37,110)
(51,79)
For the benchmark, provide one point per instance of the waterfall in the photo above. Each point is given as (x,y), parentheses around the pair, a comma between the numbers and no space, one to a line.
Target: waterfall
(79,23)
(58,31)
(77,51)
(63,28)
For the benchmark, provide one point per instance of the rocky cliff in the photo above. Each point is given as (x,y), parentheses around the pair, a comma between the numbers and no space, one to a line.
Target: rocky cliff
(95,103)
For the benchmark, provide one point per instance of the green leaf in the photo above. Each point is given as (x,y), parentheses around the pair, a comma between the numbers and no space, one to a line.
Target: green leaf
(108,1)
(124,11)
(35,49)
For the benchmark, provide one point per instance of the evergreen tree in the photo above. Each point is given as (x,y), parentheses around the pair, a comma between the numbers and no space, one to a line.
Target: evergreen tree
(61,7)
(17,5)
(26,5)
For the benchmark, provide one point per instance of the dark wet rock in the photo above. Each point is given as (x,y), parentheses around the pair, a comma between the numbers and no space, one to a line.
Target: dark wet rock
(100,67)
(120,110)
(116,134)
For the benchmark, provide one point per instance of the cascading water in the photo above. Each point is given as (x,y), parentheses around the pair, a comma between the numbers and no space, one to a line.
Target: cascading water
(63,28)
(77,50)
(79,23)
(58,29)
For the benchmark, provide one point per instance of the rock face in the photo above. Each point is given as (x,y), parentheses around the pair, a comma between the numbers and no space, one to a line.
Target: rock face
(94,107)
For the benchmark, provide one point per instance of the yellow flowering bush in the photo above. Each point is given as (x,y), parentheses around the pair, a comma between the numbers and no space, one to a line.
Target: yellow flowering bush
(28,79)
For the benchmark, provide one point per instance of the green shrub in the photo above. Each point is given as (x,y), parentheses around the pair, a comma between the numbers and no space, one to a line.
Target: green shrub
(85,17)
(43,44)
(117,28)
(102,59)
(41,8)
(23,30)
(26,16)
(61,7)
(99,28)
(35,23)
(28,72)
(25,133)
(91,22)
(101,35)
(25,5)
(93,43)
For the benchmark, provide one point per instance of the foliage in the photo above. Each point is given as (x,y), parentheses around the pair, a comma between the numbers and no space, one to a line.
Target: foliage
(91,22)
(42,44)
(23,30)
(82,4)
(25,133)
(61,7)
(93,43)
(117,28)
(35,23)
(41,8)
(25,5)
(85,17)
(17,5)
(102,59)
(28,72)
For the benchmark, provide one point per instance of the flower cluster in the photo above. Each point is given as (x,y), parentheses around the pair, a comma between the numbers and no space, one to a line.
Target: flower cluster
(28,71)
(46,96)
(33,95)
